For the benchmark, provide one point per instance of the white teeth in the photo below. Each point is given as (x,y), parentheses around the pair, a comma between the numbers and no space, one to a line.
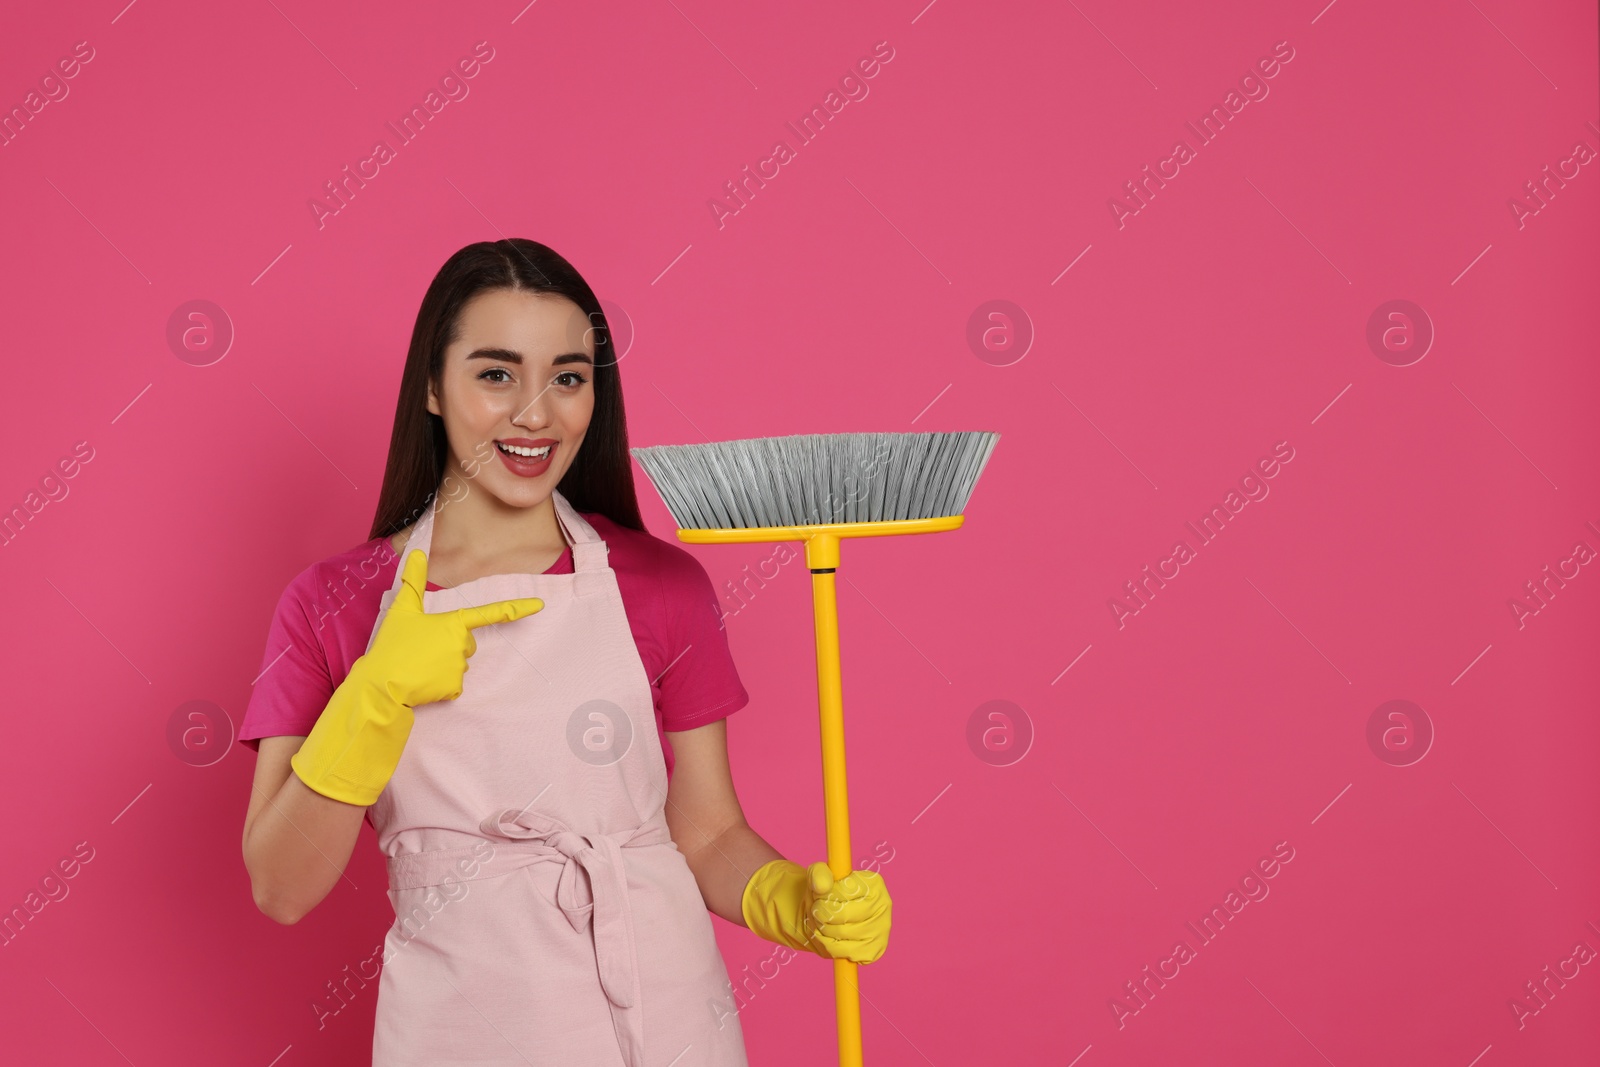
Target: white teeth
(526,453)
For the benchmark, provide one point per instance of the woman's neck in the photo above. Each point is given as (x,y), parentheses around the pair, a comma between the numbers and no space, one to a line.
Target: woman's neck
(478,535)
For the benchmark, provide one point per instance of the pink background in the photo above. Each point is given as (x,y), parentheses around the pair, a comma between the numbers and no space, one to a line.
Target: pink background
(1230,313)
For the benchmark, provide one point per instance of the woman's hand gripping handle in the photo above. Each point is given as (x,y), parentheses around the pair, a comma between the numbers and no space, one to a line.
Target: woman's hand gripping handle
(805,908)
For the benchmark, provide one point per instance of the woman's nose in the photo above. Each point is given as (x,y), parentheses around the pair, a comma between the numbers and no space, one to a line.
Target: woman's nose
(531,414)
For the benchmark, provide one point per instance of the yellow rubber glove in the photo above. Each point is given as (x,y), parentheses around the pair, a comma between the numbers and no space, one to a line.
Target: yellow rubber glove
(416,658)
(806,909)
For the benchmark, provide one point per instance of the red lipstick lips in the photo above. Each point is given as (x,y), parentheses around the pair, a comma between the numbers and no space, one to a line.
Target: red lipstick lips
(526,466)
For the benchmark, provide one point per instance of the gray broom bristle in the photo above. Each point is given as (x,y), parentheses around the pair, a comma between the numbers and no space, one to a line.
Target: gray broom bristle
(811,478)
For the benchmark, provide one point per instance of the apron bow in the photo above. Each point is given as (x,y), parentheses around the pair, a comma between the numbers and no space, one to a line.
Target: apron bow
(592,890)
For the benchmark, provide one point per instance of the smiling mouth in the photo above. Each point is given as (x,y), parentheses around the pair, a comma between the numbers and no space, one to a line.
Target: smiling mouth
(524,453)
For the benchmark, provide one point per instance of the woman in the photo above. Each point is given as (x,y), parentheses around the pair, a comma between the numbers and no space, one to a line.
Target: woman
(558,820)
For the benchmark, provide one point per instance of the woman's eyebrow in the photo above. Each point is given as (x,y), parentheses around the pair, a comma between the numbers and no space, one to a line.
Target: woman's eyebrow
(506,355)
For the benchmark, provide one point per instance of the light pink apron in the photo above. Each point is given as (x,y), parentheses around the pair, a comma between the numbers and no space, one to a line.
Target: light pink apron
(543,914)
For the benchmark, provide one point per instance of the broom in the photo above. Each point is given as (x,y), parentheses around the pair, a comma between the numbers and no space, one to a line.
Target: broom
(821,488)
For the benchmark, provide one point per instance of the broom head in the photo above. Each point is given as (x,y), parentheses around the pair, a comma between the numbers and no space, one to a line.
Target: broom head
(806,486)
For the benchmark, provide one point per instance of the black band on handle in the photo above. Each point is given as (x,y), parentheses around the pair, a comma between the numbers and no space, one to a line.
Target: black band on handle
(823,570)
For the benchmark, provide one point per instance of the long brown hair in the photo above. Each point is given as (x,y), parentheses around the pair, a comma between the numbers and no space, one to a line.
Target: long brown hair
(600,478)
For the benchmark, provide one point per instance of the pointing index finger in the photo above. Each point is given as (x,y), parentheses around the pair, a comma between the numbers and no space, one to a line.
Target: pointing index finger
(500,611)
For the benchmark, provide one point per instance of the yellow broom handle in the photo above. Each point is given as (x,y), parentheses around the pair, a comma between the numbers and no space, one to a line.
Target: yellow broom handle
(822,555)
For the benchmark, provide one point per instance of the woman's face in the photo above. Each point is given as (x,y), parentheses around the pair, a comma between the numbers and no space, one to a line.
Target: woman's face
(519,376)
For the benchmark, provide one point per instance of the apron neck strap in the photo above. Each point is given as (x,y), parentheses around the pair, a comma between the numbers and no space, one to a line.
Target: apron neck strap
(588,550)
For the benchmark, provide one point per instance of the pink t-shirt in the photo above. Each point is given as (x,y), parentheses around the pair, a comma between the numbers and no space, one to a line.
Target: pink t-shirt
(326,614)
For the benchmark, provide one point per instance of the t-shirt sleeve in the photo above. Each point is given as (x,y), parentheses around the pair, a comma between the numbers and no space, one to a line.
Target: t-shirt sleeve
(294,684)
(701,684)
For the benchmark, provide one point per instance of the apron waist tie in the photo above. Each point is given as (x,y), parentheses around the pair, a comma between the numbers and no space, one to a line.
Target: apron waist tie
(592,890)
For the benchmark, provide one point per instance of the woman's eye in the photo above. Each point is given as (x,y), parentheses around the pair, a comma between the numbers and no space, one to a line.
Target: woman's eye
(495,370)
(577,379)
